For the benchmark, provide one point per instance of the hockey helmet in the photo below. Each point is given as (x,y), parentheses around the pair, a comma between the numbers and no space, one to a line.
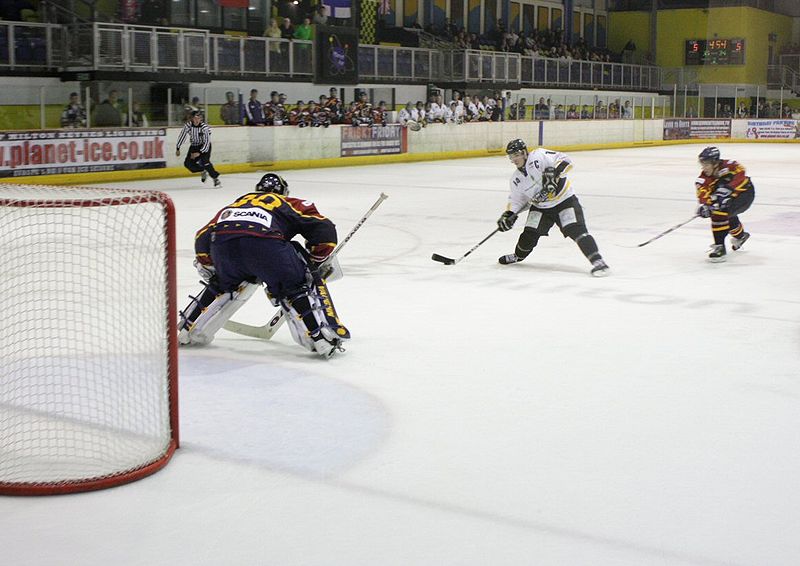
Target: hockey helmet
(709,154)
(516,146)
(272,183)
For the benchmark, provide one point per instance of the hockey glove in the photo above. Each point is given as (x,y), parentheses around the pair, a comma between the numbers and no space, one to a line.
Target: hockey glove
(550,180)
(721,199)
(703,211)
(506,221)
(205,271)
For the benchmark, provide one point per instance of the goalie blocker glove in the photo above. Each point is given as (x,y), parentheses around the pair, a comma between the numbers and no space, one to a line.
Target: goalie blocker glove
(506,221)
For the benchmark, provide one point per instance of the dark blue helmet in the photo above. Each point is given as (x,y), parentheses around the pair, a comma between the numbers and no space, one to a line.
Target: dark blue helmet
(516,146)
(272,183)
(709,154)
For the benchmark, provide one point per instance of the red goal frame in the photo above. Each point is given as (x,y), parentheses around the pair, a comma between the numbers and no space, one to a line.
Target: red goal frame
(148,468)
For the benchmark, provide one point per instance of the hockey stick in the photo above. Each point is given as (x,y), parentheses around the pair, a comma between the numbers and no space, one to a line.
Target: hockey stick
(451,261)
(268,330)
(665,232)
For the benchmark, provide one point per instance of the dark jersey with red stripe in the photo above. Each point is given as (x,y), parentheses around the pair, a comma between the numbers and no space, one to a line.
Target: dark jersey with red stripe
(728,174)
(268,215)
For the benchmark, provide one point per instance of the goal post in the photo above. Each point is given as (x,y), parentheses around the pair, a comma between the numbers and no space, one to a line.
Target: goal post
(88,339)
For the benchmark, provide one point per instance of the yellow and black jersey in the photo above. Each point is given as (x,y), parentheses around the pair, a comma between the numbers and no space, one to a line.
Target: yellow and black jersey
(729,174)
(268,215)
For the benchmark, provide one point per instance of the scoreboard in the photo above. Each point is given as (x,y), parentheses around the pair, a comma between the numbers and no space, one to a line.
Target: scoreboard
(714,52)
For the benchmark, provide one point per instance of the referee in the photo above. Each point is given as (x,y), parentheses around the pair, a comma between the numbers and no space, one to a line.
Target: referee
(198,159)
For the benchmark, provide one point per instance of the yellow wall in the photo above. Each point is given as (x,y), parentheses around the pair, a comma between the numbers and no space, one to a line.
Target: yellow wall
(624,26)
(675,27)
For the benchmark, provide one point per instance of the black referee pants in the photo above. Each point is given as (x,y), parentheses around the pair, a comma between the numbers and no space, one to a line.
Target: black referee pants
(200,163)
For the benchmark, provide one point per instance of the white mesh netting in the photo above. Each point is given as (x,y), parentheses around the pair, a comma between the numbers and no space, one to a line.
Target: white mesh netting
(85,340)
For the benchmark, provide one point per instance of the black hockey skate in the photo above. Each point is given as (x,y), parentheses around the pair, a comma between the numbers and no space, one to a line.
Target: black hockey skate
(599,268)
(203,176)
(737,243)
(717,253)
(509,259)
(217,183)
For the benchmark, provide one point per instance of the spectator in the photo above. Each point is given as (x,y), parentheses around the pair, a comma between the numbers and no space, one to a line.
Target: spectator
(691,113)
(74,114)
(627,110)
(229,112)
(138,117)
(254,110)
(541,111)
(274,32)
(194,106)
(742,111)
(517,110)
(287,31)
(303,31)
(320,17)
(572,112)
(107,114)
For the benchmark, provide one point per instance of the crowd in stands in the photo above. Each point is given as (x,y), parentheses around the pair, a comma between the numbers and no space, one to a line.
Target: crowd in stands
(760,109)
(110,113)
(541,43)
(328,109)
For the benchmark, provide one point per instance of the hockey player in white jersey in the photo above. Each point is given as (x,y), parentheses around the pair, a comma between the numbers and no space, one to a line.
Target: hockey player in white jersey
(540,182)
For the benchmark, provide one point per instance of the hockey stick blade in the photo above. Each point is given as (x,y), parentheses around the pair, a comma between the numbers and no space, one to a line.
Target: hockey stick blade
(262,332)
(442,259)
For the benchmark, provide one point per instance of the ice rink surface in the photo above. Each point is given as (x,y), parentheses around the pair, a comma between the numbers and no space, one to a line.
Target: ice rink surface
(484,414)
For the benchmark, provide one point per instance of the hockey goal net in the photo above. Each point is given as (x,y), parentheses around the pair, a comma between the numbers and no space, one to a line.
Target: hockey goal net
(88,378)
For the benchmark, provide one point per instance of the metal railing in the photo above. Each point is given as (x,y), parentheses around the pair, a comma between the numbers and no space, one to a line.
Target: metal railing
(104,46)
(595,74)
(791,60)
(781,76)
(25,45)
(472,65)
(261,56)
(111,46)
(377,62)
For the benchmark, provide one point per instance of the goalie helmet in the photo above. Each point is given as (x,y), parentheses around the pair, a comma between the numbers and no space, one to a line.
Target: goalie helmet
(516,146)
(709,155)
(272,183)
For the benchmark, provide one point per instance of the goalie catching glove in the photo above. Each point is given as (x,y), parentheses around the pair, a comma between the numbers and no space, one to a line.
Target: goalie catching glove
(506,221)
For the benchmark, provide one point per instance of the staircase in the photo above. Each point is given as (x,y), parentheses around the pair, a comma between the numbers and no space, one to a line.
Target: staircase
(781,76)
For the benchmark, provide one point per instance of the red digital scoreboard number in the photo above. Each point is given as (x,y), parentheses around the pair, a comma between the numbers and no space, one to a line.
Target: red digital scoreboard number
(714,52)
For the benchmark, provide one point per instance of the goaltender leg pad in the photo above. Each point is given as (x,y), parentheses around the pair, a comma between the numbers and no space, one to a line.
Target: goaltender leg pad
(331,316)
(215,315)
(308,321)
(196,306)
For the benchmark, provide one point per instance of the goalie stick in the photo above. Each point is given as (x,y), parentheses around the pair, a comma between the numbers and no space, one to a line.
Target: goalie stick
(268,330)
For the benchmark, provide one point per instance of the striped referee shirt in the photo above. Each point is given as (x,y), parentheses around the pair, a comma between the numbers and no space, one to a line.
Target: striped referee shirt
(199,136)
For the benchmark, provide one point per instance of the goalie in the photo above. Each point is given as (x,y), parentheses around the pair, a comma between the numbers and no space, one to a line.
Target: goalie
(248,243)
